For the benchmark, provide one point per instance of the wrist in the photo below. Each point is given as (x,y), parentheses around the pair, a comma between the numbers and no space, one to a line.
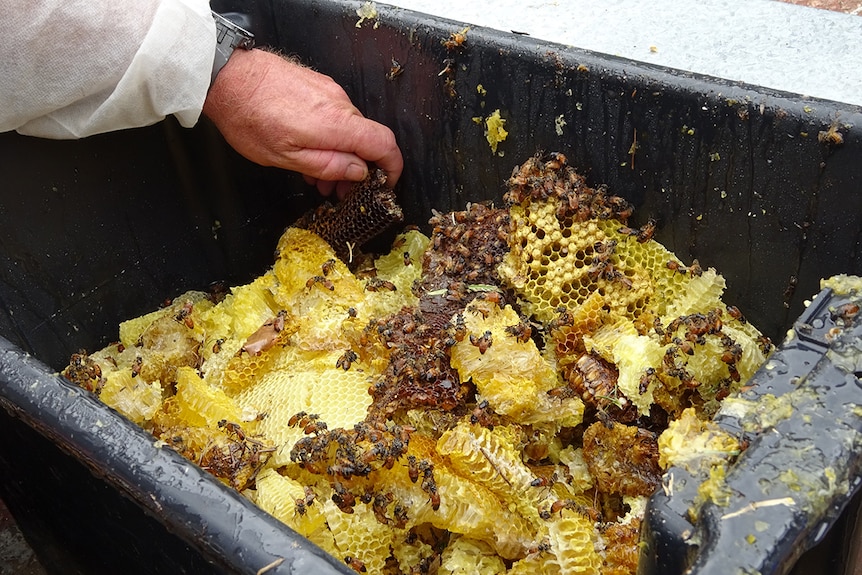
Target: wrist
(229,37)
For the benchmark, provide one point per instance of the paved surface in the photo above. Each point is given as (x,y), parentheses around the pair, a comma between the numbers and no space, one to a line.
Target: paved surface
(16,557)
(791,48)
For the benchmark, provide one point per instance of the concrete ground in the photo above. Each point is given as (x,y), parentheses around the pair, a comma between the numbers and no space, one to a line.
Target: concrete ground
(16,557)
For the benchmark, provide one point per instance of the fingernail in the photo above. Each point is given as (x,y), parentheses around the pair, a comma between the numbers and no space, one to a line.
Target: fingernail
(355,172)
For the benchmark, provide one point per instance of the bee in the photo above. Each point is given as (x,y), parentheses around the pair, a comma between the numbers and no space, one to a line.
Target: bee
(351,312)
(844,313)
(734,312)
(604,417)
(480,414)
(457,331)
(400,514)
(429,485)
(483,342)
(395,71)
(642,234)
(560,504)
(831,136)
(328,266)
(314,426)
(374,284)
(413,468)
(408,260)
(296,418)
(541,547)
(343,498)
(233,428)
(695,270)
(380,503)
(184,316)
(646,231)
(685,347)
(136,366)
(346,359)
(675,266)
(522,332)
(765,344)
(491,297)
(645,380)
(543,481)
(320,280)
(303,503)
(217,345)
(561,392)
(355,563)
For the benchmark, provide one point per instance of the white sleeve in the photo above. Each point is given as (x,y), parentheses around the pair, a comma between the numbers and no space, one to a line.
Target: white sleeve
(73,68)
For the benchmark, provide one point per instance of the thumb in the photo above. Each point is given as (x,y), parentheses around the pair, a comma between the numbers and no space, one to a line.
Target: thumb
(329,165)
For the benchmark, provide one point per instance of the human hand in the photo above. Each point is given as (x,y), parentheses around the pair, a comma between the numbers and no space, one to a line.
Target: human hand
(276,112)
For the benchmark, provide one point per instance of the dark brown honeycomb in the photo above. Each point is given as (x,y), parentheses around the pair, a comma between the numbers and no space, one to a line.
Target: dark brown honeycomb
(623,459)
(368,210)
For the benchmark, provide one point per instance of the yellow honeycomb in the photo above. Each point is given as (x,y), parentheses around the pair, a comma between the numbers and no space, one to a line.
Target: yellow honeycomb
(360,536)
(135,398)
(287,500)
(464,555)
(492,458)
(571,539)
(552,264)
(314,384)
(511,374)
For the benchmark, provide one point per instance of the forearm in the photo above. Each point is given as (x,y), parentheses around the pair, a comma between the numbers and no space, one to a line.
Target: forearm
(74,68)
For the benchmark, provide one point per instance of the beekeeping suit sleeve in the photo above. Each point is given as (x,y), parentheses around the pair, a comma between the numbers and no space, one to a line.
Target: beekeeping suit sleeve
(73,68)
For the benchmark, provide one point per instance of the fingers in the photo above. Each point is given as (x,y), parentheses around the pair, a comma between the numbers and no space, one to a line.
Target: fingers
(375,143)
(325,188)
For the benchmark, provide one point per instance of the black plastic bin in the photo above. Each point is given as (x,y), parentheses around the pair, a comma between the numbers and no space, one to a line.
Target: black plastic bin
(96,231)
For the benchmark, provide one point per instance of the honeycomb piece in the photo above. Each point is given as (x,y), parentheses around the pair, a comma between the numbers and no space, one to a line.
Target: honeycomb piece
(226,450)
(465,505)
(635,356)
(413,555)
(314,384)
(536,562)
(201,405)
(402,266)
(694,444)
(511,374)
(132,396)
(622,459)
(571,541)
(242,311)
(622,551)
(191,301)
(573,459)
(360,536)
(492,457)
(369,209)
(290,502)
(568,329)
(464,555)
